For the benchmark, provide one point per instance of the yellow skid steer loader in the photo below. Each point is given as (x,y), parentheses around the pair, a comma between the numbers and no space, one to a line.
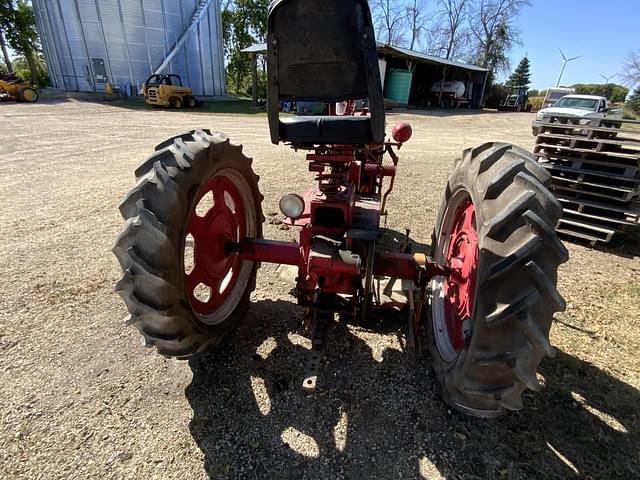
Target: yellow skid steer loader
(168,91)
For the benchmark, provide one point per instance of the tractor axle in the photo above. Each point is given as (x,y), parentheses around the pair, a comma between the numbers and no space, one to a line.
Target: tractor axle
(406,266)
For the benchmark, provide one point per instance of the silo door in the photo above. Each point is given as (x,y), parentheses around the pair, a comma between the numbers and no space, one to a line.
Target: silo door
(99,72)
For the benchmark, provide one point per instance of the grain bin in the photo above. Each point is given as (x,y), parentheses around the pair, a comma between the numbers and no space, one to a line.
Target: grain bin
(89,43)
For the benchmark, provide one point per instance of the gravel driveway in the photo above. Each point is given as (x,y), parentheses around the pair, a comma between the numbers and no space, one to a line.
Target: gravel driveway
(81,398)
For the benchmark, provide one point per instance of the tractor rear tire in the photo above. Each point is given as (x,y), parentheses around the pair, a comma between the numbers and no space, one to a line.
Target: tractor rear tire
(176,102)
(190,101)
(495,229)
(159,216)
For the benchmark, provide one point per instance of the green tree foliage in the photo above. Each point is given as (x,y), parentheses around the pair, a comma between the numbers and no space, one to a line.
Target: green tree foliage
(244,23)
(521,76)
(23,70)
(534,92)
(495,56)
(18,25)
(613,92)
(634,101)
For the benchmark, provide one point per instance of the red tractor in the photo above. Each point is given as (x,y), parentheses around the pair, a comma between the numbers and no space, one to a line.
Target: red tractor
(192,241)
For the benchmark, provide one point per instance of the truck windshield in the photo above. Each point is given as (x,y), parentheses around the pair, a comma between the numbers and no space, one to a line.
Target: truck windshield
(581,103)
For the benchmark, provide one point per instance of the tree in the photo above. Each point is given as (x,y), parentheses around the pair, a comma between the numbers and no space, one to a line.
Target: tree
(631,68)
(18,23)
(415,19)
(614,92)
(491,25)
(521,77)
(244,22)
(634,101)
(452,15)
(5,53)
(390,18)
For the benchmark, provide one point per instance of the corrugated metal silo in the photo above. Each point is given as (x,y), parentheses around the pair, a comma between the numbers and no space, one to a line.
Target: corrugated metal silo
(88,43)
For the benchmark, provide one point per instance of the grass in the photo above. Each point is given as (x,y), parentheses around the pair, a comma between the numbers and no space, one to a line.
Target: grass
(242,106)
(634,291)
(630,114)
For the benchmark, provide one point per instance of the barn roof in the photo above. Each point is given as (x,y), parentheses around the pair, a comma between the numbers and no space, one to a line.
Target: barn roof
(396,52)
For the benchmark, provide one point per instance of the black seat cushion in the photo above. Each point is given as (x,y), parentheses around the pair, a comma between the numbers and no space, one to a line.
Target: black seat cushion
(314,129)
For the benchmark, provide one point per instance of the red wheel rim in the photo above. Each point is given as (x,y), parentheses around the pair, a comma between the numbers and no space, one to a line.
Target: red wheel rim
(459,288)
(209,281)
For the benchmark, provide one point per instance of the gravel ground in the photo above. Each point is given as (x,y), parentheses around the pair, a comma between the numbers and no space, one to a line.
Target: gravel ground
(81,398)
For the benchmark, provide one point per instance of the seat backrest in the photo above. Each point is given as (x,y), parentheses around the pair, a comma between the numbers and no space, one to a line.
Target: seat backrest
(322,50)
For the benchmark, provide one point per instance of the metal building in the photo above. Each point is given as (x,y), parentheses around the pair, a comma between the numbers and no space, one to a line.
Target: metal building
(88,43)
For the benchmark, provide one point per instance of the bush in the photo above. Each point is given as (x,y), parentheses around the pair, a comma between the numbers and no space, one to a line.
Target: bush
(630,114)
(536,103)
(496,95)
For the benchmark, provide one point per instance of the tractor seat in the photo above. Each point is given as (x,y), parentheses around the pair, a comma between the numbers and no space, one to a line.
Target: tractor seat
(324,129)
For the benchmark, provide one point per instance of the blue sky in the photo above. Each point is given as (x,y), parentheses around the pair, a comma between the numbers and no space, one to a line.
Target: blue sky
(603,32)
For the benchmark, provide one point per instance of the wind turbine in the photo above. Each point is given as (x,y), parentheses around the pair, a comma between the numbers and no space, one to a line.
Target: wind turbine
(565,60)
(606,79)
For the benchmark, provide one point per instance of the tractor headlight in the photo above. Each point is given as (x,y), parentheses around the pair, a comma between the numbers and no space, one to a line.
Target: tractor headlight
(292,205)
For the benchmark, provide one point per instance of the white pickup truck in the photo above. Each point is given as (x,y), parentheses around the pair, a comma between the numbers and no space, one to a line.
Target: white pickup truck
(584,107)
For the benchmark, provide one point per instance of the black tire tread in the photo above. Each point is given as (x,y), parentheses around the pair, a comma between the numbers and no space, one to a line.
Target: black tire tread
(515,257)
(548,235)
(506,312)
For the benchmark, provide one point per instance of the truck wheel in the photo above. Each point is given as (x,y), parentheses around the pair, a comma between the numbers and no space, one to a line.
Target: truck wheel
(29,95)
(190,101)
(490,319)
(185,293)
(176,102)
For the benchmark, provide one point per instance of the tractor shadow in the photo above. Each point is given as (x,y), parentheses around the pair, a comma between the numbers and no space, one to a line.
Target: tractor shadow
(394,241)
(377,414)
(624,244)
